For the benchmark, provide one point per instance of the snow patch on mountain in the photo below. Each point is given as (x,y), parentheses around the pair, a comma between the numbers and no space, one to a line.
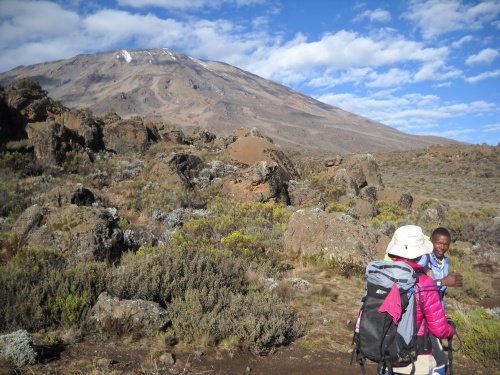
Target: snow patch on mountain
(126,55)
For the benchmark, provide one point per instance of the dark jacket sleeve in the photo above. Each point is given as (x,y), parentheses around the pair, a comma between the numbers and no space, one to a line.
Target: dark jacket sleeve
(433,311)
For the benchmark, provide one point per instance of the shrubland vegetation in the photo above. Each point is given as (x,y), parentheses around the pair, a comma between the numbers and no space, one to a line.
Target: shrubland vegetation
(211,275)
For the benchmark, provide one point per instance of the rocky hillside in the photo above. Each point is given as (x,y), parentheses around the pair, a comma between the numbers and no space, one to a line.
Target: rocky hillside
(111,155)
(166,85)
(140,203)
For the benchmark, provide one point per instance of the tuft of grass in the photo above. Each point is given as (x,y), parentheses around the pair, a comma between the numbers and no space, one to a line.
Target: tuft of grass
(475,285)
(480,333)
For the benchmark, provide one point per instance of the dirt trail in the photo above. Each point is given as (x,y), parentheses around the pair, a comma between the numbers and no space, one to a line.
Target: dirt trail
(88,357)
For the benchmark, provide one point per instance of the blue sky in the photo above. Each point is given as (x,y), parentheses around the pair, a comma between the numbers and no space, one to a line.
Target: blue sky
(420,66)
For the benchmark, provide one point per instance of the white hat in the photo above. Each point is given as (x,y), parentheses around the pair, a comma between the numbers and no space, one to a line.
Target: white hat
(408,242)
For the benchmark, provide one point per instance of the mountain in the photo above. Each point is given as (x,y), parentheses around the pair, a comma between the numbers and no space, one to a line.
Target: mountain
(178,89)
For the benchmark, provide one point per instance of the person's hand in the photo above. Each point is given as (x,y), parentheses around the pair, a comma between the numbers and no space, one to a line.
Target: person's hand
(453,279)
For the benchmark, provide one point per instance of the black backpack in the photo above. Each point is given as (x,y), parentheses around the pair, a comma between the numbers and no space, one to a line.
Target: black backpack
(376,336)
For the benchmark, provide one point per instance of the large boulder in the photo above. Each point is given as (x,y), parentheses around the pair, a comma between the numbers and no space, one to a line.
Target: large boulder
(181,169)
(83,197)
(51,141)
(343,179)
(146,316)
(486,234)
(126,137)
(336,235)
(260,183)
(363,169)
(29,220)
(82,123)
(302,195)
(79,233)
(252,148)
(432,217)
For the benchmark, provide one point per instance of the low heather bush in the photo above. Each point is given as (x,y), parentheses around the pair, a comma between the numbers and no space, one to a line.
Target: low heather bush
(18,348)
(254,320)
(39,292)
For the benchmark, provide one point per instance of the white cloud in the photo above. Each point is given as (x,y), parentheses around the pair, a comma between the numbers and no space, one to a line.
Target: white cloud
(443,84)
(486,75)
(28,35)
(481,106)
(330,79)
(436,71)
(486,56)
(436,17)
(462,41)
(394,77)
(34,21)
(185,4)
(415,113)
(340,51)
(492,128)
(457,134)
(377,15)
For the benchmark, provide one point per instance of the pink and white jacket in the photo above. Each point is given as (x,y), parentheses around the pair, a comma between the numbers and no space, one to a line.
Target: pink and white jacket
(433,313)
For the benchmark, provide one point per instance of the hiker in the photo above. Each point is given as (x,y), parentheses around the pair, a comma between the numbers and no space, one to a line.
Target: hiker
(436,264)
(408,246)
(439,264)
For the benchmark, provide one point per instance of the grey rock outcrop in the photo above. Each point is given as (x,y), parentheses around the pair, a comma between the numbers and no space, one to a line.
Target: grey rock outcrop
(336,235)
(260,183)
(79,233)
(363,169)
(146,315)
(83,197)
(486,233)
(27,222)
(343,179)
(51,141)
(125,137)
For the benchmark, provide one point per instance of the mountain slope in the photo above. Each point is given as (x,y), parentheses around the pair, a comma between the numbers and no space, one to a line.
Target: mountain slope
(178,89)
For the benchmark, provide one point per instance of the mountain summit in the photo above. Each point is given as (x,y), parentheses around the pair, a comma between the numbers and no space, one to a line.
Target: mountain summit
(178,89)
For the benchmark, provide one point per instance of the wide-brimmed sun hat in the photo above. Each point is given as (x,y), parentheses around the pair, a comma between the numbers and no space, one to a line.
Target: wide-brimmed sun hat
(408,242)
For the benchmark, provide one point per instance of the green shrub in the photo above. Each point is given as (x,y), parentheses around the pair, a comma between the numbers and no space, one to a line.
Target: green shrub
(387,216)
(39,291)
(75,163)
(262,226)
(22,164)
(238,242)
(388,211)
(335,207)
(53,339)
(71,306)
(480,332)
(255,320)
(207,290)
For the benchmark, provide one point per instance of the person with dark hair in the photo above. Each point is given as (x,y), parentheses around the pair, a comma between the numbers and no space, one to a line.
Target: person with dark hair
(408,246)
(439,264)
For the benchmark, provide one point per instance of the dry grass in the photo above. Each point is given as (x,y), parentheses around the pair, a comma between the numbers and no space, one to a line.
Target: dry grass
(462,175)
